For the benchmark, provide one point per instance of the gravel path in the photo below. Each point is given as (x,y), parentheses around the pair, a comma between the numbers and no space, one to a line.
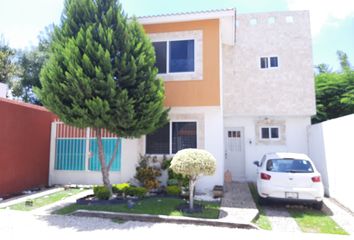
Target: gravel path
(281,220)
(238,205)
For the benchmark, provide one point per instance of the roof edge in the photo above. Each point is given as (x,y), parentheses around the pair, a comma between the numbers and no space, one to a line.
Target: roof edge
(187,16)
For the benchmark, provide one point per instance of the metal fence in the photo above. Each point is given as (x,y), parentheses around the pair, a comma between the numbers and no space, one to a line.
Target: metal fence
(76,149)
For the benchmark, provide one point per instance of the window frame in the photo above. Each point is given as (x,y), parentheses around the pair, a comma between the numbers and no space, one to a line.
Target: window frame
(270,133)
(168,55)
(171,137)
(268,61)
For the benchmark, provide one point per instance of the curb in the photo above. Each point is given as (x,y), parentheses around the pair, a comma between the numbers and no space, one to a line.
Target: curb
(162,219)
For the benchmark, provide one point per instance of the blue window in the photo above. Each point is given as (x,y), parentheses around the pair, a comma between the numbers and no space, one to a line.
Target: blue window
(273,61)
(182,56)
(264,62)
(269,62)
(174,56)
(160,51)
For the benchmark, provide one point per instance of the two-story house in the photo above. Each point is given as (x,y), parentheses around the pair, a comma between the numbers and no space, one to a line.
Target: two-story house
(238,85)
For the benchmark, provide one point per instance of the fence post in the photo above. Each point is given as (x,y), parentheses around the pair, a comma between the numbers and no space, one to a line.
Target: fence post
(87,149)
(52,150)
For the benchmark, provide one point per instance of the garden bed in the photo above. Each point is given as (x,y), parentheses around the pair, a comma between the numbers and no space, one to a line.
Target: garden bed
(150,205)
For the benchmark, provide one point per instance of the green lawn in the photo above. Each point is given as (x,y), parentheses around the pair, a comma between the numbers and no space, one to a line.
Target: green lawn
(315,221)
(153,206)
(45,200)
(261,220)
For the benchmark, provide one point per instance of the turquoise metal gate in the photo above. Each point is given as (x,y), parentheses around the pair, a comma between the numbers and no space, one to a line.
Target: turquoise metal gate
(77,149)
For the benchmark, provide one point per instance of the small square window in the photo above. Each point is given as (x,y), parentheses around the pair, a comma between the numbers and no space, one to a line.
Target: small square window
(265,133)
(273,61)
(274,132)
(269,133)
(264,62)
(271,20)
(289,19)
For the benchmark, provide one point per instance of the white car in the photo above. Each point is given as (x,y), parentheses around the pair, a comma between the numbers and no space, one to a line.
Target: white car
(289,176)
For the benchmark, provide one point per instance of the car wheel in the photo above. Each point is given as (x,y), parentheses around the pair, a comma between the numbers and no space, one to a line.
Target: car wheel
(262,201)
(318,205)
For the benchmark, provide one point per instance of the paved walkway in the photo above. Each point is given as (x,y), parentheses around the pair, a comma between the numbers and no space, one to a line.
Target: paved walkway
(238,205)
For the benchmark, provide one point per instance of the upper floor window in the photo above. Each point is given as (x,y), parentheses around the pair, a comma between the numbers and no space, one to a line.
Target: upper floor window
(269,62)
(174,56)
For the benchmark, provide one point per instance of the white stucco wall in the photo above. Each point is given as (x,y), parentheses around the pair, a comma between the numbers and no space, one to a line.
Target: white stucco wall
(129,159)
(3,90)
(331,148)
(284,91)
(209,137)
(295,139)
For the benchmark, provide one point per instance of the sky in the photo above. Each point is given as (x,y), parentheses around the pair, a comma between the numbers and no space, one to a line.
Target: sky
(332,21)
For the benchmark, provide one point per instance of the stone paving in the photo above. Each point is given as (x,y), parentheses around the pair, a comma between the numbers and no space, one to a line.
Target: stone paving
(281,220)
(237,204)
(340,215)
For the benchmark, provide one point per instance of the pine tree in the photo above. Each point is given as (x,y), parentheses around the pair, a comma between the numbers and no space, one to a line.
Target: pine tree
(101,74)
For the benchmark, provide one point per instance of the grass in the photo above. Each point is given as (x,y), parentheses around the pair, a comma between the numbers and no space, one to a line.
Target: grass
(315,221)
(153,206)
(119,221)
(45,200)
(261,220)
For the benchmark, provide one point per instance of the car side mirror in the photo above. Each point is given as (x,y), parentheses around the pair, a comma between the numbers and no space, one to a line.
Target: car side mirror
(256,163)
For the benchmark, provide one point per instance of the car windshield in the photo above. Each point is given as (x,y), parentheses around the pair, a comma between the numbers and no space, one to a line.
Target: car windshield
(289,165)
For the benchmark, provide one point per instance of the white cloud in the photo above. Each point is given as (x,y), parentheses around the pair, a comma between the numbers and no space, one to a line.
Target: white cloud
(324,12)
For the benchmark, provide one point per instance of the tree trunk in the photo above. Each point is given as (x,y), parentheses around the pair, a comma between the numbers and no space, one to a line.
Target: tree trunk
(104,169)
(191,191)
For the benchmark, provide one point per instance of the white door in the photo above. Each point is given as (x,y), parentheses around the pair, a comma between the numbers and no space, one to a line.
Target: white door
(234,153)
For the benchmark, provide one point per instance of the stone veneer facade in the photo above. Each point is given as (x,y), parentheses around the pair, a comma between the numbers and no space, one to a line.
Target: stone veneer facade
(287,90)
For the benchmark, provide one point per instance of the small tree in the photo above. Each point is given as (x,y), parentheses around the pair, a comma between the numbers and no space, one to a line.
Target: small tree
(101,74)
(193,163)
(7,63)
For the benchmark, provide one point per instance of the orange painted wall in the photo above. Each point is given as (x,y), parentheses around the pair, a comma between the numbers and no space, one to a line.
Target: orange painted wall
(195,93)
(24,146)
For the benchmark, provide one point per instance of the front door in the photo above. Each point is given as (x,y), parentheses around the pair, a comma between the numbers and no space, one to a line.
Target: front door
(234,153)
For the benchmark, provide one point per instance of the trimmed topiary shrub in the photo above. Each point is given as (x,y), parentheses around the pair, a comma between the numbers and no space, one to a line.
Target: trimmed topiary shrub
(193,163)
(101,192)
(173,190)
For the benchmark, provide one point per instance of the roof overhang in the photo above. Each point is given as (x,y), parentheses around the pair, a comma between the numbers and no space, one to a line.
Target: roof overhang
(227,20)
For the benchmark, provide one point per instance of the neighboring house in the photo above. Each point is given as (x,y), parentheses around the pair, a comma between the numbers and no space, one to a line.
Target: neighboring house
(238,85)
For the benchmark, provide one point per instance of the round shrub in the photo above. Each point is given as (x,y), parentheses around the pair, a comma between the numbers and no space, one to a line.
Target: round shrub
(101,192)
(136,191)
(173,190)
(193,163)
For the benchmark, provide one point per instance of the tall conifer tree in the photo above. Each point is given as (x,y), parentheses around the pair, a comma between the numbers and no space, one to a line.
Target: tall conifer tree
(101,74)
